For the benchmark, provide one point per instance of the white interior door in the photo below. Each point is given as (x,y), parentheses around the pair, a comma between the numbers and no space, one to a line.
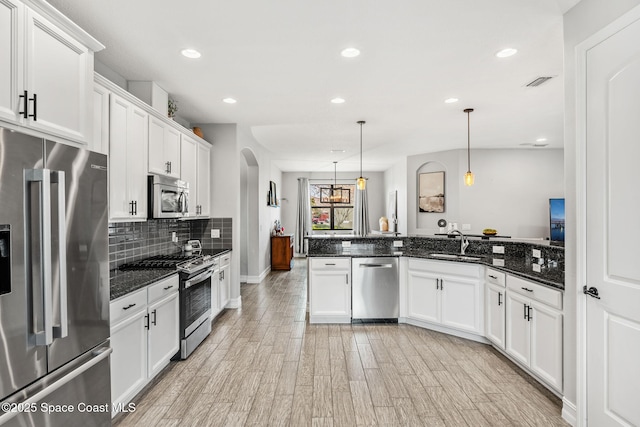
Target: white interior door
(612,206)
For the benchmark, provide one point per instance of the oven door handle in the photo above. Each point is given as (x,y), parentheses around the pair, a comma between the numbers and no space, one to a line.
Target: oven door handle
(199,278)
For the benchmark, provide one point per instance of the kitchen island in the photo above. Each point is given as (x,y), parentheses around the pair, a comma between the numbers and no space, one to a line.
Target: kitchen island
(479,295)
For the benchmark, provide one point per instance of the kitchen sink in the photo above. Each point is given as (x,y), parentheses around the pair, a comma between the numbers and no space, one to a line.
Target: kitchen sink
(455,256)
(447,256)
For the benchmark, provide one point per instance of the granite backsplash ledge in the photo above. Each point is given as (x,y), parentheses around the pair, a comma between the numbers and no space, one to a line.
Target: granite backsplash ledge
(131,241)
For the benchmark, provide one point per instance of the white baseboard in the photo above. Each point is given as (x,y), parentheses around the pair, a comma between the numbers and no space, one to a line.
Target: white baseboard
(569,412)
(255,279)
(234,303)
(329,319)
(444,330)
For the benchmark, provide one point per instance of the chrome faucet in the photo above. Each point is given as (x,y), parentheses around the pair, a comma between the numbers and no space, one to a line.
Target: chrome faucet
(464,243)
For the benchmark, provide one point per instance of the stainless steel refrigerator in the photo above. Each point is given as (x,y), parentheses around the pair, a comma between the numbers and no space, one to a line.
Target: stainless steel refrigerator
(54,284)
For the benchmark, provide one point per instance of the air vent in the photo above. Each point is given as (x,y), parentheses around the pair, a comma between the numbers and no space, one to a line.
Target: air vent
(538,81)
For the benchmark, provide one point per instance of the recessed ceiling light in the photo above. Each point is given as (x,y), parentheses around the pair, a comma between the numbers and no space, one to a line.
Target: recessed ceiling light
(229,100)
(350,52)
(338,100)
(451,100)
(541,139)
(504,53)
(191,53)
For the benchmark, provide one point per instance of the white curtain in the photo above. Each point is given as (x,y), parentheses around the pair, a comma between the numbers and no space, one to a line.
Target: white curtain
(303,217)
(361,214)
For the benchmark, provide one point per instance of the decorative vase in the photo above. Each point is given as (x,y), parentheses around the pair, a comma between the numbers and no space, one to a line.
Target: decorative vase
(384,224)
(198,131)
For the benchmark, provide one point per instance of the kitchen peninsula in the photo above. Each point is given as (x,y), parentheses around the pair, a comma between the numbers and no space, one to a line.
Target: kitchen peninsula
(508,293)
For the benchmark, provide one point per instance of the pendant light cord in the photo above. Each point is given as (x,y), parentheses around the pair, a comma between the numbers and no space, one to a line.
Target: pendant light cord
(361,122)
(468,111)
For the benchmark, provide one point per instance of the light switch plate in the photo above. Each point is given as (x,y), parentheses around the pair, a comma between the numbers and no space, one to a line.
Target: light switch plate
(498,249)
(397,243)
(536,268)
(174,236)
(346,244)
(536,253)
(215,234)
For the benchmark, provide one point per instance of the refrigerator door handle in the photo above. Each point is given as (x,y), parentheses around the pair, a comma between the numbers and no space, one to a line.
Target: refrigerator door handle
(43,176)
(59,178)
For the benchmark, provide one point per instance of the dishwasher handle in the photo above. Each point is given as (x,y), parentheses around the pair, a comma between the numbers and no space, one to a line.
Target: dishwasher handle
(376,265)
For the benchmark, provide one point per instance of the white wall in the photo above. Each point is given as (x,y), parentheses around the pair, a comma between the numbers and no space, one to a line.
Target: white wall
(375,192)
(585,19)
(395,179)
(510,193)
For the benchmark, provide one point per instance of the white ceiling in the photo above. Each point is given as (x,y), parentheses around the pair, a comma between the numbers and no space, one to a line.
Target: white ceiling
(281,61)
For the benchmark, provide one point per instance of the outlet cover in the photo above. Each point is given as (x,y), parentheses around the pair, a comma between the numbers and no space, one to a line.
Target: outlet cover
(174,236)
(346,244)
(536,268)
(536,253)
(498,262)
(397,243)
(466,227)
(215,234)
(498,249)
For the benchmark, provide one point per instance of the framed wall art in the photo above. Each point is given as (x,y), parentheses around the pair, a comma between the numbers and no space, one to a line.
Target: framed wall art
(431,196)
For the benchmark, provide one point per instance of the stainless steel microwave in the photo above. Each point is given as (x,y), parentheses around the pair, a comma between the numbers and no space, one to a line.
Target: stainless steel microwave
(168,198)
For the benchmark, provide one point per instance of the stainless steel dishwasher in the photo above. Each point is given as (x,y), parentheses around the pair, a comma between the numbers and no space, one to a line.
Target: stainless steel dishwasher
(375,289)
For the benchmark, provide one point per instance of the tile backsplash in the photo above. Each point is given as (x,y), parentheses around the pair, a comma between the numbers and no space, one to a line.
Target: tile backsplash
(131,241)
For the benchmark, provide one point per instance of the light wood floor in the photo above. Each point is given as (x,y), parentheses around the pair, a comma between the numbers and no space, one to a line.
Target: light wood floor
(266,365)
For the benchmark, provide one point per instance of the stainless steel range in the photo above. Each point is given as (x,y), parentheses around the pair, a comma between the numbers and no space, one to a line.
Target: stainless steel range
(195,293)
(195,301)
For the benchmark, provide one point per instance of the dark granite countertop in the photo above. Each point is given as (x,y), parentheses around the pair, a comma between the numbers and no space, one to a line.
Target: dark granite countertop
(125,282)
(518,266)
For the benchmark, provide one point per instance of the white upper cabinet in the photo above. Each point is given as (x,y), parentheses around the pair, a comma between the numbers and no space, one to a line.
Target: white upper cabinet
(164,148)
(203,197)
(188,165)
(46,76)
(127,161)
(11,23)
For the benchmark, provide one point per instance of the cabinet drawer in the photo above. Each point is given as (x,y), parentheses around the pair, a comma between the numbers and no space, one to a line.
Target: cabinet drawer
(162,288)
(128,305)
(225,260)
(545,295)
(330,263)
(445,267)
(495,277)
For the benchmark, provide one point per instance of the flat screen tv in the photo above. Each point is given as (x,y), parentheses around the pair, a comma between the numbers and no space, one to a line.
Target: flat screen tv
(556,220)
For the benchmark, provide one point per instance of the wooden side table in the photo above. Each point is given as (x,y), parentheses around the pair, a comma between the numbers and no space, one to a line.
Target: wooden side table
(282,252)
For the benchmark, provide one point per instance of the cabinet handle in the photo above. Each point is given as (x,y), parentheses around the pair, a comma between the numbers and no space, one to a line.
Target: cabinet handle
(529,309)
(154,317)
(129,306)
(35,107)
(25,112)
(525,311)
(527,289)
(499,297)
(168,167)
(168,287)
(328,263)
(346,277)
(146,321)
(493,277)
(441,284)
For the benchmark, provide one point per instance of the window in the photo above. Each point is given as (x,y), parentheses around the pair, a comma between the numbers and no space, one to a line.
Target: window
(331,213)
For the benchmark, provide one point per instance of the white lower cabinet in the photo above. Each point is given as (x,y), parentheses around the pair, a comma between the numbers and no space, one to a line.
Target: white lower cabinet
(144,336)
(445,293)
(494,307)
(224,280)
(329,290)
(534,329)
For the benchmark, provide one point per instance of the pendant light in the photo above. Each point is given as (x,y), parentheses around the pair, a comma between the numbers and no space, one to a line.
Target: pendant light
(336,193)
(361,182)
(468,177)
